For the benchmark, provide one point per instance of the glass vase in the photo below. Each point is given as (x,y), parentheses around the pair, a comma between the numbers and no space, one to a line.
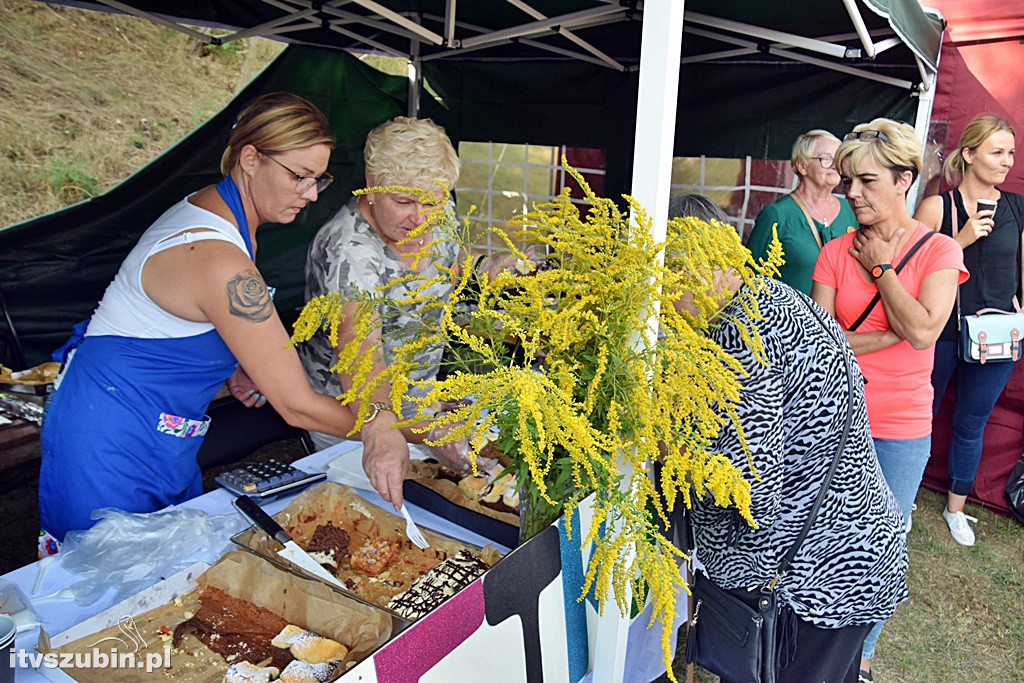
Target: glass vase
(535,513)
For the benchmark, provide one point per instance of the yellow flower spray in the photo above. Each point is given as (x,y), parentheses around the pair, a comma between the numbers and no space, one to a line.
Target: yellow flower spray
(558,363)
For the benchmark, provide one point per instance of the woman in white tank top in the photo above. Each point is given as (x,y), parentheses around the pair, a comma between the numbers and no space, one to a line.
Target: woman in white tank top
(187,311)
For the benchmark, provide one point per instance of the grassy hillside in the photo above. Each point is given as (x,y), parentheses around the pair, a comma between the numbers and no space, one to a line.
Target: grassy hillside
(86,98)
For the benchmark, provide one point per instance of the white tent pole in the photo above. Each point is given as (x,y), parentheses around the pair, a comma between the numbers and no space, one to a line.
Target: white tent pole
(921,126)
(415,80)
(658,91)
(660,52)
(860,27)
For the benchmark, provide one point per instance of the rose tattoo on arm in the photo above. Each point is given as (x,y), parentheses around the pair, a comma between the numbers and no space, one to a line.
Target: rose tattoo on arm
(248,296)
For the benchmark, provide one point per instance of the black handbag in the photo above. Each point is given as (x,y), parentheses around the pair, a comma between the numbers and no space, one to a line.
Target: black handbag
(736,633)
(1015,491)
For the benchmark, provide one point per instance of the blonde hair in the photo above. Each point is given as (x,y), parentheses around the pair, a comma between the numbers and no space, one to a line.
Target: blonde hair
(900,152)
(276,122)
(803,148)
(981,128)
(412,153)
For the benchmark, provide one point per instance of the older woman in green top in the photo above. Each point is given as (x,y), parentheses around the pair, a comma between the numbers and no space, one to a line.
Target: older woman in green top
(810,215)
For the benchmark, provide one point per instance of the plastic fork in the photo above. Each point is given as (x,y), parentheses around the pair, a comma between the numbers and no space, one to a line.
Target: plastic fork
(413,531)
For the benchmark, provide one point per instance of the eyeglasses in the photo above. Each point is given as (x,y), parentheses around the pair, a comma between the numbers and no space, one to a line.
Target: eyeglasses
(303,183)
(867,135)
(825,161)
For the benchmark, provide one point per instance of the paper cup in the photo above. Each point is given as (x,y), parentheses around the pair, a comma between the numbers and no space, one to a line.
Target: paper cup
(987,205)
(8,629)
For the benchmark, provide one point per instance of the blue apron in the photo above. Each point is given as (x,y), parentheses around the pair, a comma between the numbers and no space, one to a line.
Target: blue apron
(125,425)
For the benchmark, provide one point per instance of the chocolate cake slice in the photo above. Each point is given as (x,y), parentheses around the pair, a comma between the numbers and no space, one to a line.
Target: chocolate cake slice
(329,545)
(235,629)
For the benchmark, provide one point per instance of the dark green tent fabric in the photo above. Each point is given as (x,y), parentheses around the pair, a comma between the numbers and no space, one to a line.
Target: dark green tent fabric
(54,268)
(578,104)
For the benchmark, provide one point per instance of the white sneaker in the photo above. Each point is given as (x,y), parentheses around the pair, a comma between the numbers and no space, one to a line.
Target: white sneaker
(910,517)
(958,526)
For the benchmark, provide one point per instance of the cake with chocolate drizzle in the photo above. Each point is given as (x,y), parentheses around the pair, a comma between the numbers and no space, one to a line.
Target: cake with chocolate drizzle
(438,584)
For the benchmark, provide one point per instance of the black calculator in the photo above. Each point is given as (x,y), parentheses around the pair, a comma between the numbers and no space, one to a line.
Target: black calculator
(263,480)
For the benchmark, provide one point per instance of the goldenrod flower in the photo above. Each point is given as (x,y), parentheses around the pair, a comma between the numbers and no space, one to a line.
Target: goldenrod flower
(558,361)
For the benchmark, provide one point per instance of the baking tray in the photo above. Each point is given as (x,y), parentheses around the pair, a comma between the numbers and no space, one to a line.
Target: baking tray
(245,541)
(242,538)
(488,527)
(161,597)
(34,389)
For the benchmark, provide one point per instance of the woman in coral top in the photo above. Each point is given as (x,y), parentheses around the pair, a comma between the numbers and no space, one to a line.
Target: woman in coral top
(878,162)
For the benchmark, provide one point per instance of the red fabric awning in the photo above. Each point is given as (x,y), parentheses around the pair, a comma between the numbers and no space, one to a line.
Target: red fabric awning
(981,69)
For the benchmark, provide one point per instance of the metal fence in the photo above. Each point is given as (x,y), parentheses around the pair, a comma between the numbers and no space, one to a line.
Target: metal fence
(501,180)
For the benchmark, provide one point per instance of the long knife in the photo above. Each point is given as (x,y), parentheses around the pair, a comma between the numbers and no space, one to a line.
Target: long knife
(291,551)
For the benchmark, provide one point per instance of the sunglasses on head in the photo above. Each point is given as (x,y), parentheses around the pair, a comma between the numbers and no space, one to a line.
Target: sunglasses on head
(866,135)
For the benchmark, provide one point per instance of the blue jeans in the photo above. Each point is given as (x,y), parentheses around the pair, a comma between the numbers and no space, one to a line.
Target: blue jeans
(903,462)
(978,386)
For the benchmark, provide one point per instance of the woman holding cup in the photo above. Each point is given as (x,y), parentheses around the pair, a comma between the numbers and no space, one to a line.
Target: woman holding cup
(989,231)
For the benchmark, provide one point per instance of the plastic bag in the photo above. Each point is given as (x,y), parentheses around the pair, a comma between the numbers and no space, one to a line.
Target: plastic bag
(1015,490)
(14,603)
(132,551)
(454,455)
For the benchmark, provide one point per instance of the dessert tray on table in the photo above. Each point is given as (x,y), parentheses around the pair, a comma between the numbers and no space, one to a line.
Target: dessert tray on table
(475,505)
(486,504)
(201,624)
(367,549)
(196,624)
(35,380)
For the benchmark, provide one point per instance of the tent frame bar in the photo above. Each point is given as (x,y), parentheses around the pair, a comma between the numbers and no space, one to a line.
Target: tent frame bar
(449,22)
(780,52)
(568,35)
(580,18)
(860,28)
(275,26)
(334,26)
(420,31)
(843,68)
(142,14)
(597,60)
(801,42)
(384,26)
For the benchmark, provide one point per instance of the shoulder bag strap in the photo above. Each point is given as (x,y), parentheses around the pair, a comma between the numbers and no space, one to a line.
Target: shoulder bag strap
(807,215)
(954,222)
(878,297)
(788,557)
